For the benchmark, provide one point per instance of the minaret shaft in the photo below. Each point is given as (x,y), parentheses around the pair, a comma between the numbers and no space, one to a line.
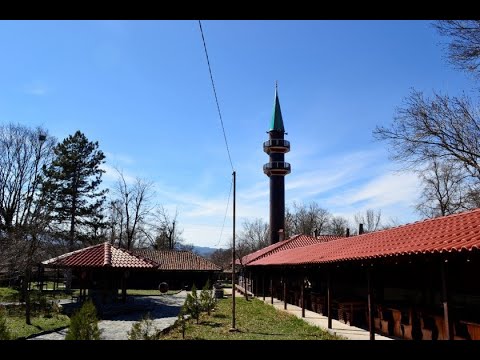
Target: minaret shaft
(276,169)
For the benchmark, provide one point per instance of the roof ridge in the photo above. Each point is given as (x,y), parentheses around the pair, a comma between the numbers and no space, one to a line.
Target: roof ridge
(59,257)
(107,255)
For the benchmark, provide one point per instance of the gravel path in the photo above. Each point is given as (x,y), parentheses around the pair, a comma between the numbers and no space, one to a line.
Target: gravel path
(163,310)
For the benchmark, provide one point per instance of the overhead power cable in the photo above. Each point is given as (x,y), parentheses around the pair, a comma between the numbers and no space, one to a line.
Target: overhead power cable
(225,217)
(216,97)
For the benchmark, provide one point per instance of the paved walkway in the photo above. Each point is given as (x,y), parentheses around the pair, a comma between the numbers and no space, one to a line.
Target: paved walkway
(313,318)
(163,310)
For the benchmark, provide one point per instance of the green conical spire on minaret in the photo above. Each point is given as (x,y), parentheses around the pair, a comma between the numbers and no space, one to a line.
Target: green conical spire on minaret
(277,121)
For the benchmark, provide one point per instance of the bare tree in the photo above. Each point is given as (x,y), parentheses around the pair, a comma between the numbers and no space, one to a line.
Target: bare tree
(306,218)
(24,210)
(167,235)
(444,189)
(135,207)
(371,220)
(254,235)
(115,220)
(337,226)
(442,127)
(222,257)
(464,47)
(391,222)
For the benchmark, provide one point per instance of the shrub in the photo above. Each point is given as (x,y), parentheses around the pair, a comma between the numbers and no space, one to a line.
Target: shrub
(192,305)
(144,330)
(181,321)
(4,332)
(84,324)
(207,300)
(9,294)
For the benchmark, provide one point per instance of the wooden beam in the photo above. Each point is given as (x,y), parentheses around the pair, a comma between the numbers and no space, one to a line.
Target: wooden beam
(447,319)
(302,295)
(371,324)
(284,292)
(329,298)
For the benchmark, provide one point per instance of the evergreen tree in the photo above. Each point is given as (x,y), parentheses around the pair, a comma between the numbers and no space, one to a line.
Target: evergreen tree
(192,304)
(144,330)
(207,300)
(72,182)
(84,324)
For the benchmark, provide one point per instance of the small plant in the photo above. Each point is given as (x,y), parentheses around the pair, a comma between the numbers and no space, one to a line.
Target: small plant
(182,321)
(144,330)
(207,300)
(192,305)
(84,324)
(4,332)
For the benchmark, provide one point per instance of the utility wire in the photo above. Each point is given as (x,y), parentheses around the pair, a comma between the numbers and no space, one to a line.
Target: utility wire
(225,217)
(215,93)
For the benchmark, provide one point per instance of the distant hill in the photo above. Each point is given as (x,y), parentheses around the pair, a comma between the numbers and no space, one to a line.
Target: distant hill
(203,250)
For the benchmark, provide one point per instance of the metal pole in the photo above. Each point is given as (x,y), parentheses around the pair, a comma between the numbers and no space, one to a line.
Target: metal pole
(233,255)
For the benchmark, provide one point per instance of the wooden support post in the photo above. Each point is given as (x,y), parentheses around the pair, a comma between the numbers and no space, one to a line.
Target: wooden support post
(285,293)
(55,284)
(124,288)
(447,319)
(263,286)
(271,289)
(302,296)
(329,298)
(371,324)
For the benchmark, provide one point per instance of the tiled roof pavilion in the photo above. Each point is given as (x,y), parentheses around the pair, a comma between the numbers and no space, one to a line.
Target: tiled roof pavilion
(109,256)
(447,234)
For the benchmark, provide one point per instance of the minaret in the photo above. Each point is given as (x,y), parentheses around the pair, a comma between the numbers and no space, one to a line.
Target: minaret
(276,169)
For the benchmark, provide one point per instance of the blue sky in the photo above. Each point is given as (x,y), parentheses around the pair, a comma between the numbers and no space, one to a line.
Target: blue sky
(142,90)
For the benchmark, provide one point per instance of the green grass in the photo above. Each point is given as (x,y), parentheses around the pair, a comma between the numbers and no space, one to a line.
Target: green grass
(255,320)
(18,328)
(8,294)
(141,292)
(47,285)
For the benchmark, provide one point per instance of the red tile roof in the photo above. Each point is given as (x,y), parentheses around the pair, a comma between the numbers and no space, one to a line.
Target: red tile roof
(101,256)
(295,241)
(453,233)
(177,260)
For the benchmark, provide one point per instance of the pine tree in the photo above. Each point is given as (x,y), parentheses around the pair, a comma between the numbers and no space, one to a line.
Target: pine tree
(192,304)
(72,182)
(207,300)
(84,324)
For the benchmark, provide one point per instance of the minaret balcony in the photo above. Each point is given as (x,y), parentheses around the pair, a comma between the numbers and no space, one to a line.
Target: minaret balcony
(276,146)
(277,168)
